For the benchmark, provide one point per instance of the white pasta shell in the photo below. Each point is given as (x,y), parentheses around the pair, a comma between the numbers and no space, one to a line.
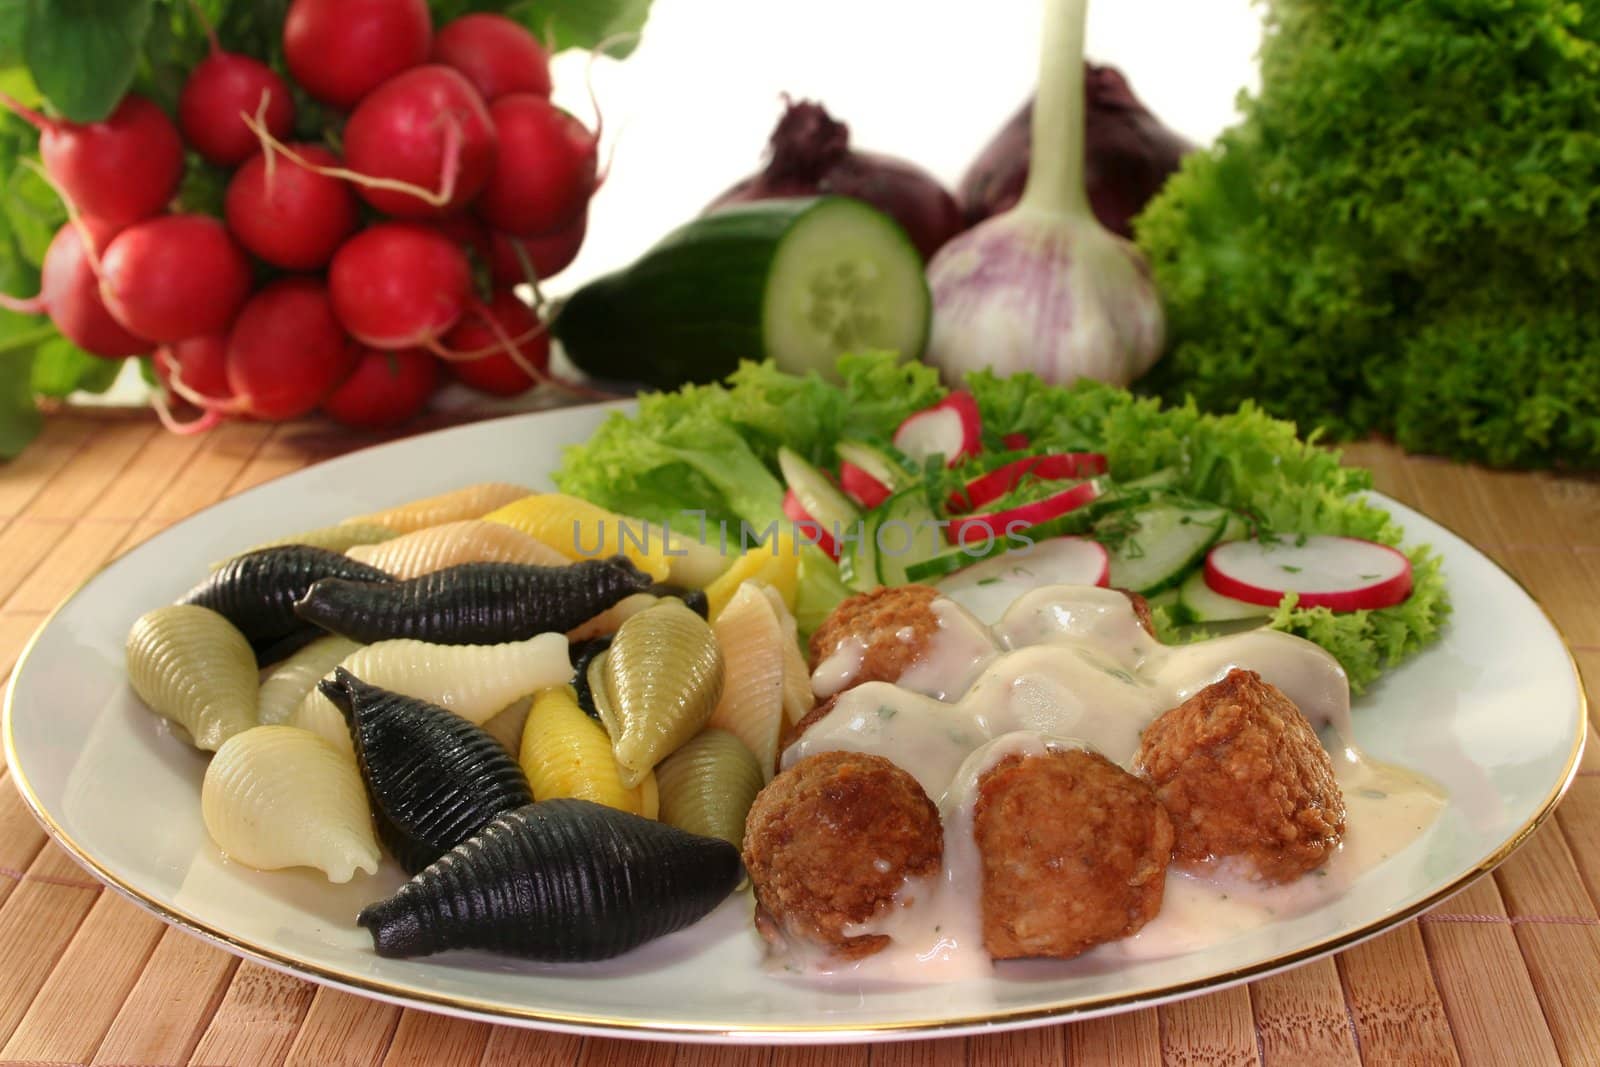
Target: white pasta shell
(275,796)
(610,620)
(289,682)
(751,708)
(797,695)
(190,665)
(450,544)
(474,681)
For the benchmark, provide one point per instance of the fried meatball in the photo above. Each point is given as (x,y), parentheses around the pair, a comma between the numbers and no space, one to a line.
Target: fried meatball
(1074,853)
(829,842)
(893,625)
(1141,610)
(1243,776)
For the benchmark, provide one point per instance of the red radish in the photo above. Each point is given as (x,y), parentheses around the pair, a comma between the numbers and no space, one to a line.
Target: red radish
(1341,573)
(950,428)
(426,129)
(290,216)
(809,528)
(862,487)
(514,260)
(69,292)
(118,171)
(196,369)
(989,587)
(341,50)
(398,285)
(466,233)
(981,528)
(385,389)
(174,277)
(497,55)
(223,86)
(495,372)
(286,350)
(1015,442)
(545,171)
(997,483)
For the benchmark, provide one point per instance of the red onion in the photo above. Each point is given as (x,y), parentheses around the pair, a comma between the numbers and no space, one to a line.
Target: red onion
(1129,156)
(810,153)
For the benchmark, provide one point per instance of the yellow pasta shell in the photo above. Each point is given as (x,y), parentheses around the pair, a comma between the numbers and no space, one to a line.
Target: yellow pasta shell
(581,530)
(468,502)
(565,753)
(775,562)
(750,635)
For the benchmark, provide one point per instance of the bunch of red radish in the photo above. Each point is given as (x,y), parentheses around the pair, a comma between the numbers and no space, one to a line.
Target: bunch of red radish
(451,142)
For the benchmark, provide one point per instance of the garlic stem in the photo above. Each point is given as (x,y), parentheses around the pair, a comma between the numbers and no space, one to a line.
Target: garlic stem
(1055,174)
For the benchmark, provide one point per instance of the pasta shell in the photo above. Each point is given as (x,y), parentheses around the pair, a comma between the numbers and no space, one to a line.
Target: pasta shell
(586,658)
(610,621)
(567,754)
(434,778)
(257,591)
(326,721)
(751,638)
(559,880)
(581,530)
(474,681)
(472,604)
(467,541)
(708,785)
(468,502)
(660,681)
(278,797)
(340,538)
(190,665)
(775,562)
(797,695)
(290,681)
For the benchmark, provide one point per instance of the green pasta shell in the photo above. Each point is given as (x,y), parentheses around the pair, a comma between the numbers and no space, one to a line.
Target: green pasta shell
(659,682)
(190,665)
(708,785)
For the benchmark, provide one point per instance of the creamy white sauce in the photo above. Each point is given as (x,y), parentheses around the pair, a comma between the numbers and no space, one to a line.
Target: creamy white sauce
(1077,670)
(839,669)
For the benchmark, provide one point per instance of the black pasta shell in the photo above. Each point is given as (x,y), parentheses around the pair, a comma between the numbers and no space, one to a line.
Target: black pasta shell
(474,603)
(561,880)
(583,653)
(434,778)
(257,592)
(694,599)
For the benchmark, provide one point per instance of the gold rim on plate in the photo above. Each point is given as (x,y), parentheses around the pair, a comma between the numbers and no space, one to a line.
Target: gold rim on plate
(1064,1011)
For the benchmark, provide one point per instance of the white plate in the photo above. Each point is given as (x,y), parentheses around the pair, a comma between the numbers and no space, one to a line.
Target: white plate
(1494,712)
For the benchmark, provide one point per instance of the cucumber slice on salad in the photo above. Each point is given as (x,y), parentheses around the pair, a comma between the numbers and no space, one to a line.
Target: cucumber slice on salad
(1164,543)
(823,503)
(798,281)
(905,534)
(1201,604)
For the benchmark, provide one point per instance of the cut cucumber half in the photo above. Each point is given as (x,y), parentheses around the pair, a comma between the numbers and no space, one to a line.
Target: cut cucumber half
(845,277)
(799,281)
(828,507)
(907,533)
(1165,544)
(1202,604)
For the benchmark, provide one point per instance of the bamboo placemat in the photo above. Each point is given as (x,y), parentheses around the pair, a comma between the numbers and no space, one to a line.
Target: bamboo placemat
(1507,972)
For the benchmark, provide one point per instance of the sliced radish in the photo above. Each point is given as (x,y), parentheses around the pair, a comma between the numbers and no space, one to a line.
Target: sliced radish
(819,503)
(1016,442)
(860,486)
(809,528)
(987,589)
(951,428)
(993,524)
(1057,466)
(1341,573)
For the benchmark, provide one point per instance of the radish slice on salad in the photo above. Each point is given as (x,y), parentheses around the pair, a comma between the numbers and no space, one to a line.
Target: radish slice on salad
(951,428)
(1016,442)
(1055,467)
(809,529)
(860,486)
(868,474)
(1341,573)
(987,589)
(968,529)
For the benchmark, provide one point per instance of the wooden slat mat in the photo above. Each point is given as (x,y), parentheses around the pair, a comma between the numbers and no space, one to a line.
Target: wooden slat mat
(1508,972)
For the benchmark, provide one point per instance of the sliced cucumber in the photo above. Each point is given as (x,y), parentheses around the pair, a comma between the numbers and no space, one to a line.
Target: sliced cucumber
(1237,528)
(1201,603)
(906,534)
(1169,600)
(858,557)
(799,281)
(829,507)
(1165,543)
